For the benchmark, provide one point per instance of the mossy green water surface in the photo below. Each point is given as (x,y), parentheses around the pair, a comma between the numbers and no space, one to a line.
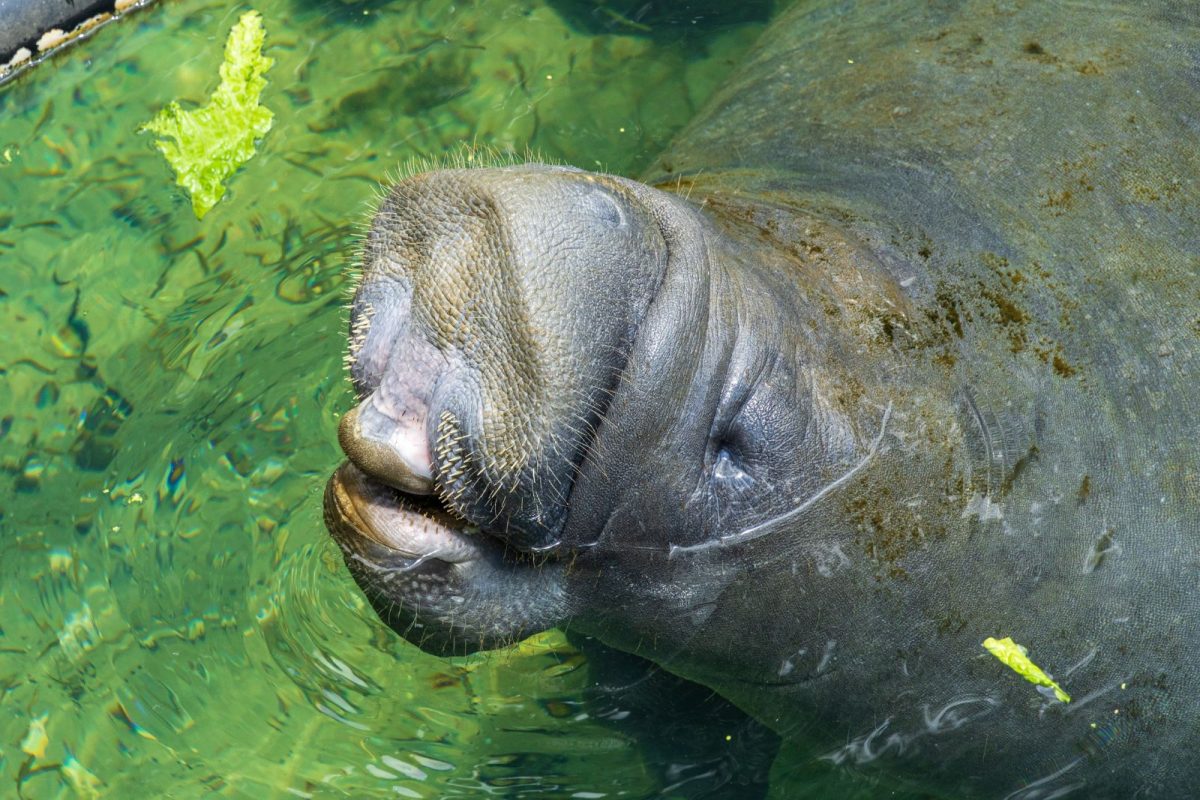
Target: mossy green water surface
(174,621)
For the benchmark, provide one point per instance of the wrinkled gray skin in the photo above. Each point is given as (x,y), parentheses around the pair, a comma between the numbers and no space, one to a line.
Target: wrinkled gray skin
(899,355)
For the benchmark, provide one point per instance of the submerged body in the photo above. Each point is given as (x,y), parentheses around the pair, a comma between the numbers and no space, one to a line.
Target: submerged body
(897,357)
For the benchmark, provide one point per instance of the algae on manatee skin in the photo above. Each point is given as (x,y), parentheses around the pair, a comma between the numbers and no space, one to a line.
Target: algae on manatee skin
(208,145)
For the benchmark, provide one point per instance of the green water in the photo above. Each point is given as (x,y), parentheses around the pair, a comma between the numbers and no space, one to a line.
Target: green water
(173,619)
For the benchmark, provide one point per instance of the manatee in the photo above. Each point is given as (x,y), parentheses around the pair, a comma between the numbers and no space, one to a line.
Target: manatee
(892,353)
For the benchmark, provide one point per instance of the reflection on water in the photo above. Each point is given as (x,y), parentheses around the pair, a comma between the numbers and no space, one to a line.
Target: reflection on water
(173,620)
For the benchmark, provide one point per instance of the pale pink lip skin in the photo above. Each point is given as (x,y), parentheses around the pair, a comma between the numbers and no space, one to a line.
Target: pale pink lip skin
(414,528)
(394,450)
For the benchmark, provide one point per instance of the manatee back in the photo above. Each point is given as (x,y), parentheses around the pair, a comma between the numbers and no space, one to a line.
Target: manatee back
(1029,174)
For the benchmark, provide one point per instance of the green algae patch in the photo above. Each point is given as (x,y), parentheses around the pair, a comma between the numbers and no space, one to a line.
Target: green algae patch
(206,146)
(1016,658)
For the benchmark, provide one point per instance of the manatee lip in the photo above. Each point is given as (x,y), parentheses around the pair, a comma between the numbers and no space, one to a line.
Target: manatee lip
(411,527)
(402,458)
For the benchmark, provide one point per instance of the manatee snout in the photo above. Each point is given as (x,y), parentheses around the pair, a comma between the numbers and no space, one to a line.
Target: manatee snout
(386,435)
(489,329)
(562,369)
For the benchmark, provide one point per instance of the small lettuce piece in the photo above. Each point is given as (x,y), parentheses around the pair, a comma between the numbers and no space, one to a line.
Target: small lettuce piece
(208,145)
(1016,658)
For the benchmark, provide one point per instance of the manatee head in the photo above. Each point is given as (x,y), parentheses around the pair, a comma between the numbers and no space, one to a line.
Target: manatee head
(585,401)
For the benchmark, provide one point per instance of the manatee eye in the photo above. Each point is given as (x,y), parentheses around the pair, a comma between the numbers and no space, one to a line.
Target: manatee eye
(726,465)
(728,470)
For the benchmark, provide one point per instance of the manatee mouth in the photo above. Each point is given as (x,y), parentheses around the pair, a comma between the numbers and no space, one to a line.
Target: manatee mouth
(433,576)
(414,528)
(373,521)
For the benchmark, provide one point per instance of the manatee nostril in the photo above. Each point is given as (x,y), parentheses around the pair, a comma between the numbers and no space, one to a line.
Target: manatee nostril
(395,452)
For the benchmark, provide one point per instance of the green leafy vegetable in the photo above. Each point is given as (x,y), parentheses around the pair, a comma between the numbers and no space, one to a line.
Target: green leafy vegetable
(1016,658)
(208,145)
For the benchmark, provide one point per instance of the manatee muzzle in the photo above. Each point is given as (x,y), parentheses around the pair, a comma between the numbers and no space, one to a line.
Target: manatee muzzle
(412,527)
(388,491)
(395,451)
(489,333)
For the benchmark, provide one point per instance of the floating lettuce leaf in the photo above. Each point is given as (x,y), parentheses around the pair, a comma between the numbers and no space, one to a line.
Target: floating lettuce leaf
(208,145)
(1016,658)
